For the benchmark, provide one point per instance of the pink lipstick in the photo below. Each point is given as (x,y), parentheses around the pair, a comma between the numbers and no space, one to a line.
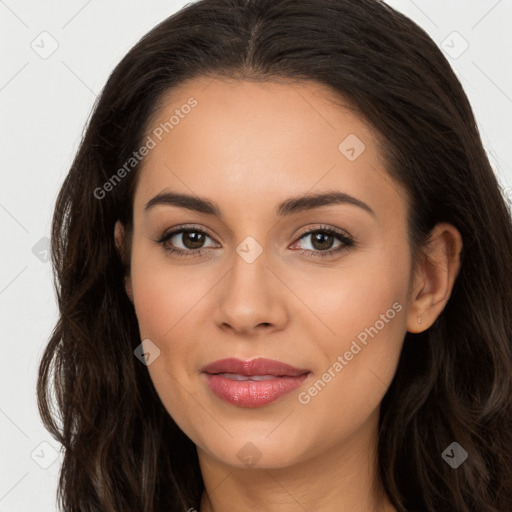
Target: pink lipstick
(252,383)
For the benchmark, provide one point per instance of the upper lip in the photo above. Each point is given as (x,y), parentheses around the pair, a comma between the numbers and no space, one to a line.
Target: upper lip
(257,366)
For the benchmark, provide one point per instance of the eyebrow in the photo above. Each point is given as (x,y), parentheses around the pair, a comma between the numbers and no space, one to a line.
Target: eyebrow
(287,207)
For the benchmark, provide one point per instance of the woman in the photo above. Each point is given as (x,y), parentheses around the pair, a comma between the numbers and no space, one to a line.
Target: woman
(283,265)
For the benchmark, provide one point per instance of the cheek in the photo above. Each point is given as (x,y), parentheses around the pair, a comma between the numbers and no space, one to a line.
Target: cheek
(164,292)
(167,303)
(365,312)
(352,297)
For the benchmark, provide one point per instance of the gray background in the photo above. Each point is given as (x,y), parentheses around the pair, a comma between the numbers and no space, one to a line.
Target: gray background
(45,101)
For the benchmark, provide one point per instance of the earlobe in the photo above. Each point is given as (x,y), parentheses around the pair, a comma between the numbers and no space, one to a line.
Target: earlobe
(128,287)
(435,277)
(119,234)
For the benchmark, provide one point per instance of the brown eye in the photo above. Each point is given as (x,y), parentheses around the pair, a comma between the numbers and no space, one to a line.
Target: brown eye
(192,239)
(322,241)
(185,242)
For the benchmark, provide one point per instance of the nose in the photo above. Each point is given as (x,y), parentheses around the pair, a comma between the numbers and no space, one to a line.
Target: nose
(252,298)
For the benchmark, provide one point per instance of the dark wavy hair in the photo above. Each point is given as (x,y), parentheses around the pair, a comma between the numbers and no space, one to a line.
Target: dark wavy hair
(122,450)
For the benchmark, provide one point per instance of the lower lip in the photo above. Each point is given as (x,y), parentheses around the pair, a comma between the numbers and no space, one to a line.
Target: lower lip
(251,393)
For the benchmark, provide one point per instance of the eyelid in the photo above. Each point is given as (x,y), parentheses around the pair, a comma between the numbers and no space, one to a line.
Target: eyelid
(347,241)
(305,231)
(344,237)
(168,233)
(323,227)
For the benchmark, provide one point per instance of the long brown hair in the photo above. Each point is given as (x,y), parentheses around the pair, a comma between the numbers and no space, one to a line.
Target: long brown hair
(123,452)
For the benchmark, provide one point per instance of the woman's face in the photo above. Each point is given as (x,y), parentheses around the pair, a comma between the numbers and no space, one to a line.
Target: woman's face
(251,282)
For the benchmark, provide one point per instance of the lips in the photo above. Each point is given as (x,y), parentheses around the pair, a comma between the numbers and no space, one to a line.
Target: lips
(252,383)
(255,367)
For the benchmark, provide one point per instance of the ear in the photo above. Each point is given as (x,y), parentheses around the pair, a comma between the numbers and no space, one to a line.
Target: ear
(119,237)
(434,278)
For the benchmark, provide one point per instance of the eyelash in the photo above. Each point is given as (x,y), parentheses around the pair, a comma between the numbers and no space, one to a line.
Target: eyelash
(347,241)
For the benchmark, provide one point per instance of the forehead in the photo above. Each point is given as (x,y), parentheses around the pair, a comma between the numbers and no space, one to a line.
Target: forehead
(259,143)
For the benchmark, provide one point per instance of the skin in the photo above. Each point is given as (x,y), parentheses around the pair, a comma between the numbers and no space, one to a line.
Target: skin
(247,147)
